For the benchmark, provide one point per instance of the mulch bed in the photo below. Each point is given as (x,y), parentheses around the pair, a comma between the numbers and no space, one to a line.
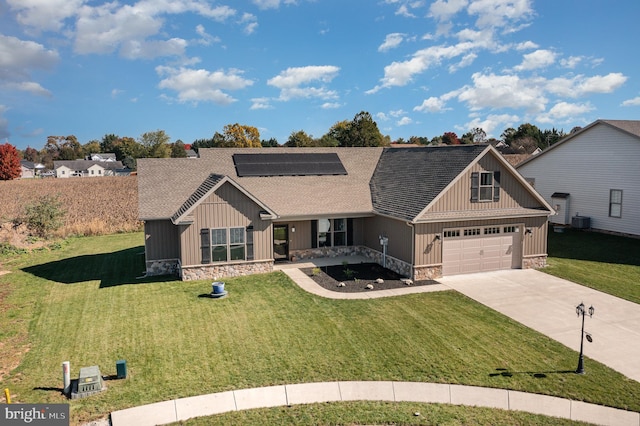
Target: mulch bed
(357,276)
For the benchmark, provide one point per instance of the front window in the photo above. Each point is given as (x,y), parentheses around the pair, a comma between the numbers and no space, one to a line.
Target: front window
(236,243)
(486,186)
(332,232)
(615,203)
(219,245)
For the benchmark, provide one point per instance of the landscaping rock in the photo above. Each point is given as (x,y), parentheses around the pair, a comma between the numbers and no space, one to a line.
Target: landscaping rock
(379,281)
(369,287)
(341,285)
(407,281)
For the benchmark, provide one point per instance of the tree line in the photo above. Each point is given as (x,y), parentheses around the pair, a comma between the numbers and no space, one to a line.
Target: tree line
(361,131)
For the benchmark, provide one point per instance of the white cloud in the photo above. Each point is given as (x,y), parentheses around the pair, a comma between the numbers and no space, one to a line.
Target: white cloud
(401,73)
(493,122)
(331,105)
(293,82)
(30,87)
(44,15)
(250,23)
(19,57)
(502,91)
(500,13)
(443,9)
(404,121)
(391,41)
(201,85)
(397,113)
(205,38)
(580,85)
(382,116)
(260,103)
(539,59)
(134,49)
(632,102)
(431,104)
(564,110)
(111,26)
(527,45)
(464,62)
(571,61)
(271,4)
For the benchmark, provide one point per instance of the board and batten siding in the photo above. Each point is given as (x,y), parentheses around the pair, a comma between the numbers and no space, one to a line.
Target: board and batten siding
(512,193)
(227,207)
(428,250)
(400,236)
(301,239)
(588,167)
(161,240)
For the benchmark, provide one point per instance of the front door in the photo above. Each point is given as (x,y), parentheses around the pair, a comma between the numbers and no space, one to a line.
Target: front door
(280,242)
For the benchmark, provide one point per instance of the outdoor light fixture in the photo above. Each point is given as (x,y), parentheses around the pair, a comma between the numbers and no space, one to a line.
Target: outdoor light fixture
(437,237)
(528,231)
(293,229)
(581,310)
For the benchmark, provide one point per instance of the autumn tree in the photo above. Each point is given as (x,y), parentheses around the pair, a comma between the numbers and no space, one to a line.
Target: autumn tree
(9,162)
(178,150)
(450,138)
(239,136)
(91,147)
(299,139)
(419,140)
(156,144)
(31,154)
(363,131)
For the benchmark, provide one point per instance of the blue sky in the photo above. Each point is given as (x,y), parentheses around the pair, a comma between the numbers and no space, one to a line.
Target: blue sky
(421,68)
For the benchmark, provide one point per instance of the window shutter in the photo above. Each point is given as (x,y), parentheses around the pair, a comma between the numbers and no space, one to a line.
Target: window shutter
(314,234)
(249,242)
(496,186)
(205,245)
(349,232)
(475,186)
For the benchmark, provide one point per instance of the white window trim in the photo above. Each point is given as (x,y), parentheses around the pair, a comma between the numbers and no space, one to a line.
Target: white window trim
(612,204)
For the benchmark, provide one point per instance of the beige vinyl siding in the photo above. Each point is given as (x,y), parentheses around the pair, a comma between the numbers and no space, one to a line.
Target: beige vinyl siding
(428,250)
(301,239)
(226,208)
(161,240)
(512,193)
(399,233)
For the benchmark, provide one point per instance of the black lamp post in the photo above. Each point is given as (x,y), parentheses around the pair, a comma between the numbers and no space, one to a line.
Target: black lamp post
(581,310)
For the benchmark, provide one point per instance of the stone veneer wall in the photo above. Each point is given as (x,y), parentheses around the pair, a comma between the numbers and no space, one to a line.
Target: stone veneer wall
(534,262)
(396,265)
(163,267)
(217,271)
(421,273)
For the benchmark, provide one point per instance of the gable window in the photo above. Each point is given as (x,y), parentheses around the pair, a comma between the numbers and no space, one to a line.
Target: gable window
(615,203)
(485,186)
(223,244)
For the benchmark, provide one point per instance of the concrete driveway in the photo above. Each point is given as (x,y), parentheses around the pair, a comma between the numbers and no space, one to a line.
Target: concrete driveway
(548,304)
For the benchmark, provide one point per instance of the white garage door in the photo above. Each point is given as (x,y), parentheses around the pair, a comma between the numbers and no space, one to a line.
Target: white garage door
(471,250)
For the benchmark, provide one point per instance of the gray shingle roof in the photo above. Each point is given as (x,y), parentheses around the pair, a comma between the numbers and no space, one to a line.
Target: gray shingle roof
(406,180)
(164,185)
(85,164)
(211,181)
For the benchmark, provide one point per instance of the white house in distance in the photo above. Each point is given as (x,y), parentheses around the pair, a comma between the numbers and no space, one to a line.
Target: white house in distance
(593,173)
(88,168)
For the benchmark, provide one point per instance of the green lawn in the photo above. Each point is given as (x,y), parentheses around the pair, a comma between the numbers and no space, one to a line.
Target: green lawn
(608,263)
(82,302)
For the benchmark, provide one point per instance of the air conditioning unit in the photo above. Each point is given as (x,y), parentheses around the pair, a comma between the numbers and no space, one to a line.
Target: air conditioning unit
(581,222)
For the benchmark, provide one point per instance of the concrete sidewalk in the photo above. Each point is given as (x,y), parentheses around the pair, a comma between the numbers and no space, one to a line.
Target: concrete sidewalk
(308,393)
(548,304)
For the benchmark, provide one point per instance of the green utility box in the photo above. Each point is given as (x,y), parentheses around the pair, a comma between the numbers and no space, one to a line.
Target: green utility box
(121,369)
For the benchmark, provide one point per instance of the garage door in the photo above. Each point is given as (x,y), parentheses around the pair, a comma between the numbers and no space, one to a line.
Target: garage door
(471,250)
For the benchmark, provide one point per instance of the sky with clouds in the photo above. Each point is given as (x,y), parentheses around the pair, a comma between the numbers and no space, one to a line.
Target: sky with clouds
(420,68)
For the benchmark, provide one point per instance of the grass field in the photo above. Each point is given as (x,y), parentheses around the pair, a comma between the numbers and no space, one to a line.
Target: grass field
(94,206)
(83,303)
(608,263)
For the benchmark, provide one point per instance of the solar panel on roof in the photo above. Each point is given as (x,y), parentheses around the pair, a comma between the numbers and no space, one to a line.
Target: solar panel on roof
(288,164)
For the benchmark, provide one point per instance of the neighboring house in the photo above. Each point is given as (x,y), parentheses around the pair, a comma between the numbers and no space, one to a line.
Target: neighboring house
(101,157)
(591,177)
(88,168)
(29,169)
(191,153)
(439,210)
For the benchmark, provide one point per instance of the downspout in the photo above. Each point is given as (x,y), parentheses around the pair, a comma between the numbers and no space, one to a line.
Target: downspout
(413,248)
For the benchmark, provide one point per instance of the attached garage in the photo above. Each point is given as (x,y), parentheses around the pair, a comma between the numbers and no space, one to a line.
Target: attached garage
(481,249)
